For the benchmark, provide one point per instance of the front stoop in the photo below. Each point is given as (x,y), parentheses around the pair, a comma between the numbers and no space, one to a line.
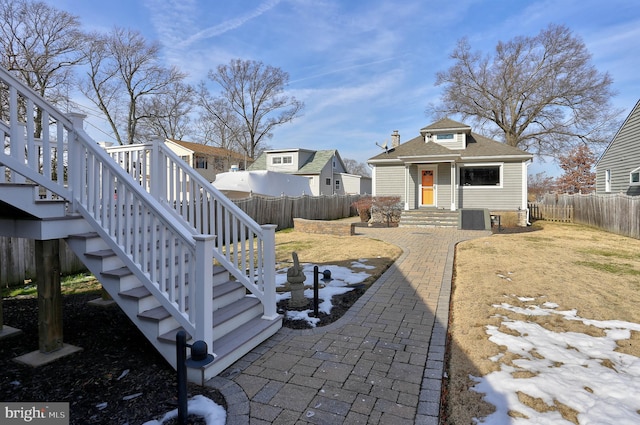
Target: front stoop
(429,217)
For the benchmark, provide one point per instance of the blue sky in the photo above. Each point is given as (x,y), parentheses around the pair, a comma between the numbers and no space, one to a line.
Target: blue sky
(365,68)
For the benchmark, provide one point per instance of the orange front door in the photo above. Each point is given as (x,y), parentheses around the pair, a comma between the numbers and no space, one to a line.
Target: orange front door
(427,187)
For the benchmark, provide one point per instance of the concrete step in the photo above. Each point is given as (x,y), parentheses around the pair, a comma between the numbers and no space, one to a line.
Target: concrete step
(429,218)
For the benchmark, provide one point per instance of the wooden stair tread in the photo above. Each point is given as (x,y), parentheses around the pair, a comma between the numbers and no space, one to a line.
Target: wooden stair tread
(230,342)
(102,253)
(136,293)
(119,272)
(219,290)
(156,314)
(225,288)
(225,313)
(170,336)
(87,235)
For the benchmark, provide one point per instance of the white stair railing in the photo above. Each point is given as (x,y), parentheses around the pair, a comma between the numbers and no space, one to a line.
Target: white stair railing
(243,247)
(67,164)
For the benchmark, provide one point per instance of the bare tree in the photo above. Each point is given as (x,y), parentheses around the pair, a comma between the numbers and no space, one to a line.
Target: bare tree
(356,167)
(539,184)
(219,125)
(577,176)
(168,114)
(40,44)
(254,92)
(541,94)
(124,76)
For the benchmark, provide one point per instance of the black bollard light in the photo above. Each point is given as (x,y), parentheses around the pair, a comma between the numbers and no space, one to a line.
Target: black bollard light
(326,278)
(199,357)
(315,291)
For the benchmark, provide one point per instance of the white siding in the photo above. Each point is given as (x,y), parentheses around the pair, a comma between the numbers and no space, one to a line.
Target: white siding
(324,188)
(350,183)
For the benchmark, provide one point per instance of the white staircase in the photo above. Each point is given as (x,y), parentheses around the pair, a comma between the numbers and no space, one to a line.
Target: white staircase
(172,251)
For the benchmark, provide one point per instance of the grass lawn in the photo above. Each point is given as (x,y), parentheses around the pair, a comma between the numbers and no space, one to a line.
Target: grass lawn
(566,266)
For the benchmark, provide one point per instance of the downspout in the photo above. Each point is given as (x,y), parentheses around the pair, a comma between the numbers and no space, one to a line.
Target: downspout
(525,188)
(406,187)
(453,186)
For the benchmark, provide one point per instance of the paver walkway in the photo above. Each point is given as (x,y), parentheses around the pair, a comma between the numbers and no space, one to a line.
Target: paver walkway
(381,363)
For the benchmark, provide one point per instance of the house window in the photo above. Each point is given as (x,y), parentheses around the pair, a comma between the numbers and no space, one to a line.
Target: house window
(480,175)
(448,136)
(185,158)
(277,160)
(634,177)
(328,182)
(607,180)
(337,184)
(201,162)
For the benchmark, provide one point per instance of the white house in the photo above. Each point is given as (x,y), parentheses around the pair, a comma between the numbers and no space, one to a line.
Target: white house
(325,170)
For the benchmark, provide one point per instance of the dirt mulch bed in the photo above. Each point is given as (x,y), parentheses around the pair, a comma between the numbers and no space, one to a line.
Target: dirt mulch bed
(116,362)
(341,304)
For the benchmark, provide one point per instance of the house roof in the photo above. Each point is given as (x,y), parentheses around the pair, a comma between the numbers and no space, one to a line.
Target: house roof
(314,164)
(208,150)
(445,124)
(478,146)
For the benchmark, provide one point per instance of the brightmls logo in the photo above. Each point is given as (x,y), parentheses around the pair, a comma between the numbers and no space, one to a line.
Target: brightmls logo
(35,413)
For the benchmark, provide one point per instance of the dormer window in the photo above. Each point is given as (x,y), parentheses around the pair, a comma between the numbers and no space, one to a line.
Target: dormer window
(446,136)
(278,160)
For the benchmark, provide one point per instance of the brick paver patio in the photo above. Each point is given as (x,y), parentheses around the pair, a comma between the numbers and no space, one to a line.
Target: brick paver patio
(381,363)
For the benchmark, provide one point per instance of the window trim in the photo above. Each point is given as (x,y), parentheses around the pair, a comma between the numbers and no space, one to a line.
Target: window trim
(282,160)
(631,173)
(500,166)
(446,136)
(201,160)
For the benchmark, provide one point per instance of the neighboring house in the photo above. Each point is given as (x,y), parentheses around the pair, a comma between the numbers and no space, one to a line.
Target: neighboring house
(325,170)
(449,167)
(618,169)
(207,160)
(243,184)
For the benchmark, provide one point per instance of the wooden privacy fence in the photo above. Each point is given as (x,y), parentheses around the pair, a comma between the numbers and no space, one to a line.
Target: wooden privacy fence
(281,210)
(17,261)
(563,213)
(616,213)
(17,255)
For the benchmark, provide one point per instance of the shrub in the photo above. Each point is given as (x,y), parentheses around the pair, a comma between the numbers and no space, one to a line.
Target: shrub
(388,207)
(363,207)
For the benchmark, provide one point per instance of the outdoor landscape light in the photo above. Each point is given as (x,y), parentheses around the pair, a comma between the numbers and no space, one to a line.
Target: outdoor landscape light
(199,357)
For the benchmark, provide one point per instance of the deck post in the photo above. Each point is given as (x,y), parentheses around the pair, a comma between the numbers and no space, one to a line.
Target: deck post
(204,288)
(49,295)
(269,270)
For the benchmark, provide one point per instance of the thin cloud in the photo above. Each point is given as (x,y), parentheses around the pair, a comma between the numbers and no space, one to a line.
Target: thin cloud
(231,24)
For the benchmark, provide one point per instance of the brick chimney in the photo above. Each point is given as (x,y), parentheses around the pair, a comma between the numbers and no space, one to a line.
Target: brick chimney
(395,139)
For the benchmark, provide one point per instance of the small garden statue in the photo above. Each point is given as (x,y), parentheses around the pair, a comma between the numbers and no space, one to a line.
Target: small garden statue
(296,278)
